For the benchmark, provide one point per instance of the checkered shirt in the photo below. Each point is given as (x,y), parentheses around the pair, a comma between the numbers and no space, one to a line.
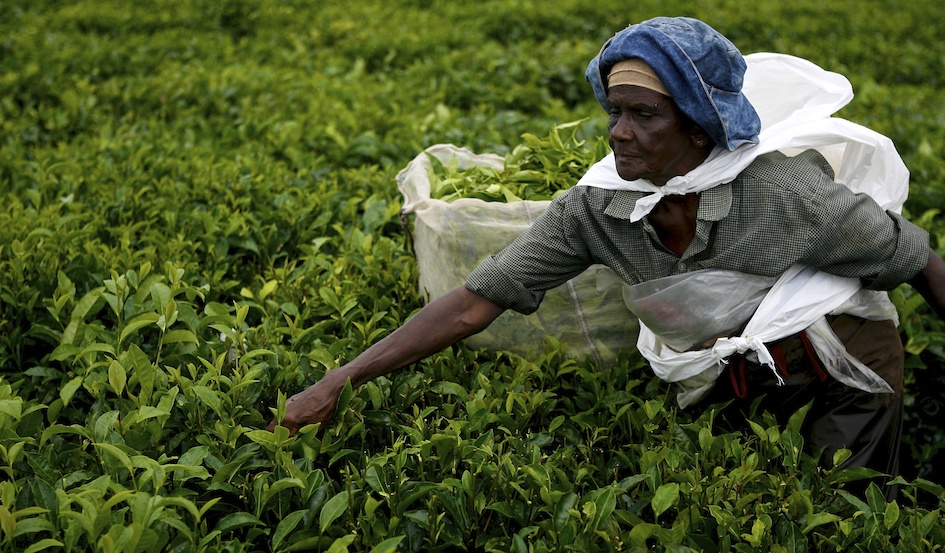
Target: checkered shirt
(778,212)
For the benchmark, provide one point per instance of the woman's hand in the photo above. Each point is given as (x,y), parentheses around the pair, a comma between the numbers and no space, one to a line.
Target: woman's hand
(315,404)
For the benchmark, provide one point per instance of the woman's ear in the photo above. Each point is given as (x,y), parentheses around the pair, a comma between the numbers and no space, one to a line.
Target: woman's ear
(699,137)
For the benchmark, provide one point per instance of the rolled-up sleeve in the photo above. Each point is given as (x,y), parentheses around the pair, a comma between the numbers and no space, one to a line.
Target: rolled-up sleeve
(546,255)
(910,256)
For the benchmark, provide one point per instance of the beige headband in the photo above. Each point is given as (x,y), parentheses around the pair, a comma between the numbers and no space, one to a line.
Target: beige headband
(636,72)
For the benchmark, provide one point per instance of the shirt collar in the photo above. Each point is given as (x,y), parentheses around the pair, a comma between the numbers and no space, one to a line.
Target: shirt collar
(714,203)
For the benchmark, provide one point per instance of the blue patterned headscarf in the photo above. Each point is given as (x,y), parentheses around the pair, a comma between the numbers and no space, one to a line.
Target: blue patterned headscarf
(702,70)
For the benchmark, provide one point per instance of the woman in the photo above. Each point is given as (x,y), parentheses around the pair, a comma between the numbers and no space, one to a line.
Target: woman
(692,186)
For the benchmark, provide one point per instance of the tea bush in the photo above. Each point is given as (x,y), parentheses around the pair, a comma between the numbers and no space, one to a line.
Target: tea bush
(200,218)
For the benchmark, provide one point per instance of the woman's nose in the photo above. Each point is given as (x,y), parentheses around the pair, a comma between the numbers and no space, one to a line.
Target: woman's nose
(621,129)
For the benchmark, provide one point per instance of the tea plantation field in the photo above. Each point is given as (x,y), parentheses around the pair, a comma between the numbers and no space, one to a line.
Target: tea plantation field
(199,217)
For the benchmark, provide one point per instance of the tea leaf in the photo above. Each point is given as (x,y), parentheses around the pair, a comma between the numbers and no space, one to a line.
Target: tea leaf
(180,336)
(56,429)
(137,323)
(118,454)
(875,498)
(285,527)
(333,509)
(117,377)
(855,501)
(209,398)
(665,497)
(340,545)
(43,544)
(32,526)
(268,289)
(281,485)
(46,498)
(451,388)
(161,295)
(12,407)
(505,509)
(387,546)
(234,521)
(891,515)
(818,519)
(344,398)
(562,510)
(7,523)
(85,305)
(185,504)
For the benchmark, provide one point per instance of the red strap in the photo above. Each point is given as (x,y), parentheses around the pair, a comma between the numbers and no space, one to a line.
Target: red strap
(740,388)
(812,355)
(780,360)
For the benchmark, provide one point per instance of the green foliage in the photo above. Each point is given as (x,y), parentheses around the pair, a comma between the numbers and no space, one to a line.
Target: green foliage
(200,218)
(540,168)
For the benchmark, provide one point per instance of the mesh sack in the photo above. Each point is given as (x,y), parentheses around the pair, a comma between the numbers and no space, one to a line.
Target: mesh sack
(586,314)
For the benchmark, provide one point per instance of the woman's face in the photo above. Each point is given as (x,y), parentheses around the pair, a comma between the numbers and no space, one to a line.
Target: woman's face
(648,137)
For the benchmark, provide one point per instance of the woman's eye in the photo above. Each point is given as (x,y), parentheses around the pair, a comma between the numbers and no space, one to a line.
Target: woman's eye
(636,114)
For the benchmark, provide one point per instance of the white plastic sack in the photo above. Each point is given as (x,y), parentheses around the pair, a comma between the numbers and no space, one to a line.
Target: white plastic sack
(587,314)
(690,309)
(797,301)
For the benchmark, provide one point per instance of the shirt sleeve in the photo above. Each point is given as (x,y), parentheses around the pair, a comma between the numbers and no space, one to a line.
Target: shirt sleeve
(851,235)
(546,255)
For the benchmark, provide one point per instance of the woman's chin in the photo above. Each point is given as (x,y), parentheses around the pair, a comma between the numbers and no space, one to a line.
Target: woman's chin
(628,174)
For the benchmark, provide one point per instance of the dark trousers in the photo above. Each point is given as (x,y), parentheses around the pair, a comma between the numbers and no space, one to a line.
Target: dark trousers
(869,425)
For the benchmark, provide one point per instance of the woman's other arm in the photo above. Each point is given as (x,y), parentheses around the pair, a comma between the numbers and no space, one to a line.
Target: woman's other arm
(930,282)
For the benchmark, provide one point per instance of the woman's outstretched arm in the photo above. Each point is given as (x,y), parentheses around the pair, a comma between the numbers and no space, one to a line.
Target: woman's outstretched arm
(442,322)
